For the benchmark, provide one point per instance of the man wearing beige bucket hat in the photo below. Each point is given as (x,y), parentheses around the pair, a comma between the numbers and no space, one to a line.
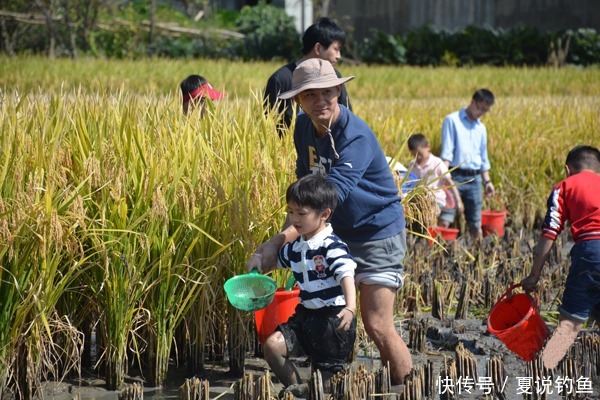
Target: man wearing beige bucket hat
(324,39)
(332,141)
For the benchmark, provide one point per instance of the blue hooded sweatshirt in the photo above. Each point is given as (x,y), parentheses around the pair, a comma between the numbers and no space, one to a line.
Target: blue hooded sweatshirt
(369,205)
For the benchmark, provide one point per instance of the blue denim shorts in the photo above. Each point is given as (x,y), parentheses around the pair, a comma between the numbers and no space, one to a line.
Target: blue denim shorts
(582,289)
(471,193)
(380,262)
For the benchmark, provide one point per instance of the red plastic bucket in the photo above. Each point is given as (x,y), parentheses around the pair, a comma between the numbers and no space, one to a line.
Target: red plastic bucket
(279,311)
(516,321)
(492,221)
(448,234)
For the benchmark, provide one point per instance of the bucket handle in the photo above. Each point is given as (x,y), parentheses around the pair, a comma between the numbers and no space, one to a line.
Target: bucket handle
(514,286)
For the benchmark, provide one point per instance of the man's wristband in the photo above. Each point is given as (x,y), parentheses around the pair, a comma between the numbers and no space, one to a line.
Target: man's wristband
(351,310)
(486,182)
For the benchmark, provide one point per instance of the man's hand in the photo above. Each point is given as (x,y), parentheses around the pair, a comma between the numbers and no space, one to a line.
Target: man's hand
(490,191)
(265,257)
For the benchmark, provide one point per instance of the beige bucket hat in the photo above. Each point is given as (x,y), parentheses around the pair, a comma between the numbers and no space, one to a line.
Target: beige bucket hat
(313,73)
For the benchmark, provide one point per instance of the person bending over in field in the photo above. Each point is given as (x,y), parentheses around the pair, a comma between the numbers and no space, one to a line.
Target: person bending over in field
(575,199)
(194,90)
(323,326)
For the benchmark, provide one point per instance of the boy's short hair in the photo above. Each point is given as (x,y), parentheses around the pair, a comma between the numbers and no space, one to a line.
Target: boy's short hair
(324,31)
(313,191)
(584,157)
(417,140)
(483,95)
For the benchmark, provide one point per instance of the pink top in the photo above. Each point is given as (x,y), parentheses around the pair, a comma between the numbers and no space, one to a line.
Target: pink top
(433,168)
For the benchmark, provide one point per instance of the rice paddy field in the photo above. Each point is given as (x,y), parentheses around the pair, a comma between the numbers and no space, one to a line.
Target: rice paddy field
(121,219)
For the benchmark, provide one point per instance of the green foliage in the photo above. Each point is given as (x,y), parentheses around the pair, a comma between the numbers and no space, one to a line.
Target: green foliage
(475,45)
(449,59)
(585,47)
(525,46)
(424,46)
(226,18)
(270,33)
(187,47)
(516,46)
(472,45)
(382,49)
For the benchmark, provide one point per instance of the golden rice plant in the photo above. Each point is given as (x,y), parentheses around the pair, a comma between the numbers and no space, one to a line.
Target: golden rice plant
(528,140)
(41,257)
(157,209)
(116,207)
(161,76)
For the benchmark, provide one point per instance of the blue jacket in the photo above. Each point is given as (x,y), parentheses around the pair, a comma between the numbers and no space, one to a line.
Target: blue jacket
(369,205)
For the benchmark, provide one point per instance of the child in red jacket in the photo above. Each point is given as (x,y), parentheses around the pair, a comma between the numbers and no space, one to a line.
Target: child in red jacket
(575,199)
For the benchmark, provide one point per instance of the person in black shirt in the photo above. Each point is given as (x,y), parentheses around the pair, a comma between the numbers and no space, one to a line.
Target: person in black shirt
(324,39)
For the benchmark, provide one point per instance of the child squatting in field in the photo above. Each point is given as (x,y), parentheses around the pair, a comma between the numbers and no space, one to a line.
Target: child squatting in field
(574,199)
(323,326)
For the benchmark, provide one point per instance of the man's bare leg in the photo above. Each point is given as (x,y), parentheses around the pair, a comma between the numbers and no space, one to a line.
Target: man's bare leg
(377,312)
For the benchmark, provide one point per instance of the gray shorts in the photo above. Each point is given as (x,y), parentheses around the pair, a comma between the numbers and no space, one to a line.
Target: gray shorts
(379,262)
(447,214)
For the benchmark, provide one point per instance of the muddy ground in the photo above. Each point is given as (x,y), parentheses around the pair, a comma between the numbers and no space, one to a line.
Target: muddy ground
(441,339)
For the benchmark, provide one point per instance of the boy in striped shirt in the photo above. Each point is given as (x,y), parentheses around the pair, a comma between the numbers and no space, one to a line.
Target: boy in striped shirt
(324,324)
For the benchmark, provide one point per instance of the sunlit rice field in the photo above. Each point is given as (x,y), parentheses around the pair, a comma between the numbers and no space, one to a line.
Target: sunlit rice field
(120,215)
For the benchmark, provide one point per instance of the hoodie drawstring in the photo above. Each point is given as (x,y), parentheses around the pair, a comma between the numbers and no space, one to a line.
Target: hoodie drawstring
(328,132)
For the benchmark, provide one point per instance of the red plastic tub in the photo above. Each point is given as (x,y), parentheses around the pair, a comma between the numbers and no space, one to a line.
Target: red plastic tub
(448,234)
(279,311)
(492,221)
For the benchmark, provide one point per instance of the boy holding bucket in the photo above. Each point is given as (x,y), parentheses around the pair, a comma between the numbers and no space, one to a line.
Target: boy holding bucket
(323,326)
(574,199)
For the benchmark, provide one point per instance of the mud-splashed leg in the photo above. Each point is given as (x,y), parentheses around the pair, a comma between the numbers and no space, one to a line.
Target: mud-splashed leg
(558,345)
(275,351)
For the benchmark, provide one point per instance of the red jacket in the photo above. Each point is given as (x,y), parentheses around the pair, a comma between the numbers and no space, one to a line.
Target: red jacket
(576,199)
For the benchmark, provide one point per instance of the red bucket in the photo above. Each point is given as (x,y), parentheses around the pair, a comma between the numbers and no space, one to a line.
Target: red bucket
(516,321)
(492,221)
(279,311)
(448,234)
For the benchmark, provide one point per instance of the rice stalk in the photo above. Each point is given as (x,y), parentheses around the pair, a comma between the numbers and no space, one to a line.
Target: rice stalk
(103,173)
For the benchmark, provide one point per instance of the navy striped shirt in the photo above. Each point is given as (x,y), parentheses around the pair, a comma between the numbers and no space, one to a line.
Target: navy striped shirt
(319,265)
